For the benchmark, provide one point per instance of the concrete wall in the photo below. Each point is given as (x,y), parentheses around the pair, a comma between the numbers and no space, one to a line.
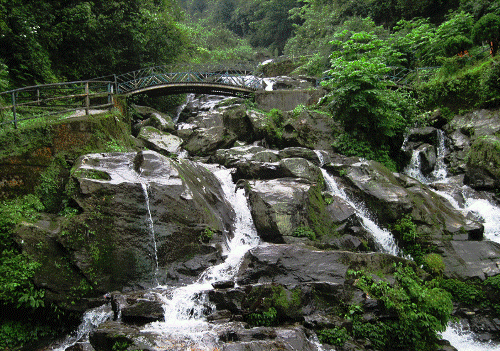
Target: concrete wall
(287,100)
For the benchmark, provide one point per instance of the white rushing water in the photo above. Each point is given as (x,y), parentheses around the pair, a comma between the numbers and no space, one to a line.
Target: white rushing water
(91,319)
(414,168)
(145,190)
(185,307)
(460,336)
(383,237)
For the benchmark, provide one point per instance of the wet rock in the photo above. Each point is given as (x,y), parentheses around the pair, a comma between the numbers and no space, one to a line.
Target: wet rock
(236,120)
(186,272)
(220,316)
(466,260)
(81,346)
(261,339)
(226,284)
(310,129)
(427,135)
(390,195)
(316,157)
(483,165)
(112,196)
(291,265)
(280,206)
(110,333)
(143,312)
(301,168)
(206,133)
(154,118)
(485,328)
(160,141)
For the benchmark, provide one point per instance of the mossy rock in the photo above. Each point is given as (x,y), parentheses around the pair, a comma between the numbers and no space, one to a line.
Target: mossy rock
(483,164)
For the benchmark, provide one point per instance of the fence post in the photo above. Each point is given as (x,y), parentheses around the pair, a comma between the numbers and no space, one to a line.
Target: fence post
(87,98)
(14,108)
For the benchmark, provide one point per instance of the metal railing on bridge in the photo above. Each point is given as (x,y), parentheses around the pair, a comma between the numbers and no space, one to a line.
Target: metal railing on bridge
(55,99)
(95,94)
(234,75)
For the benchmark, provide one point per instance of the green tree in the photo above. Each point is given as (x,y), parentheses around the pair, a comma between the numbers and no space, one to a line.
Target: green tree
(488,29)
(374,117)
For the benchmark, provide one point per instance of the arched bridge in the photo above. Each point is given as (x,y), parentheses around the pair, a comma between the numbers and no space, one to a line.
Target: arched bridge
(216,79)
(61,98)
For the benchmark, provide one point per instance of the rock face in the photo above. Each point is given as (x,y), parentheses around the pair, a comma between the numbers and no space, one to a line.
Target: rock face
(139,211)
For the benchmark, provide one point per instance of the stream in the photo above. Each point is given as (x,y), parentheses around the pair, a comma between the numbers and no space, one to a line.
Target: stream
(468,201)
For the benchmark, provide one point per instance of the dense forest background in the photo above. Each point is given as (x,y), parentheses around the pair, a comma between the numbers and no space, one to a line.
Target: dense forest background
(442,54)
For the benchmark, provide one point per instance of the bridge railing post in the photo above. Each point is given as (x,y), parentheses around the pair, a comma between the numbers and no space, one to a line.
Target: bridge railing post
(87,99)
(14,108)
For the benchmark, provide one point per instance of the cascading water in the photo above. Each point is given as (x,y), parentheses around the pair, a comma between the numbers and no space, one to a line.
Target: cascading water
(189,99)
(185,307)
(151,228)
(383,237)
(460,336)
(457,334)
(91,320)
(414,168)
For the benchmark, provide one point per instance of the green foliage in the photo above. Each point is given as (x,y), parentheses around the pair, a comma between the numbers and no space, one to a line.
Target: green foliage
(304,232)
(273,305)
(359,98)
(334,336)
(80,39)
(406,232)
(215,44)
(433,263)
(466,293)
(488,29)
(266,318)
(121,345)
(422,310)
(207,235)
(16,334)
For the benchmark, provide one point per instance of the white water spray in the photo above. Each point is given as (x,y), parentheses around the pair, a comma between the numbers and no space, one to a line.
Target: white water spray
(91,319)
(383,237)
(186,307)
(414,168)
(460,336)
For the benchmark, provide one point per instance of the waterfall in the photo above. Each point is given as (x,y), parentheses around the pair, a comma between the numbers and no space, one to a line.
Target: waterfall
(462,338)
(483,209)
(383,237)
(91,319)
(185,307)
(151,228)
(439,172)
(189,99)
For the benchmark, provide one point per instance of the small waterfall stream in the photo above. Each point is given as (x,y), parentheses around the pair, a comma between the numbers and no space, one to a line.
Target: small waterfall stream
(484,210)
(383,237)
(185,307)
(90,320)
(145,190)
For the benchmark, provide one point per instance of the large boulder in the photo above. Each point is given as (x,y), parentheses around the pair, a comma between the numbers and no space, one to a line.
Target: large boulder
(310,129)
(162,142)
(204,133)
(289,207)
(140,213)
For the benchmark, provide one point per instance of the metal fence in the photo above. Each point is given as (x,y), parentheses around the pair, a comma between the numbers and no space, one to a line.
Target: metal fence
(55,99)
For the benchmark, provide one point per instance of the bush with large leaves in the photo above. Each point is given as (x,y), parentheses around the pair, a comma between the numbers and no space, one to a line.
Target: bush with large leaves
(374,116)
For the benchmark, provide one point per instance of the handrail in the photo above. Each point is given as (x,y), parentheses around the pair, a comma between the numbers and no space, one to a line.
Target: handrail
(240,76)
